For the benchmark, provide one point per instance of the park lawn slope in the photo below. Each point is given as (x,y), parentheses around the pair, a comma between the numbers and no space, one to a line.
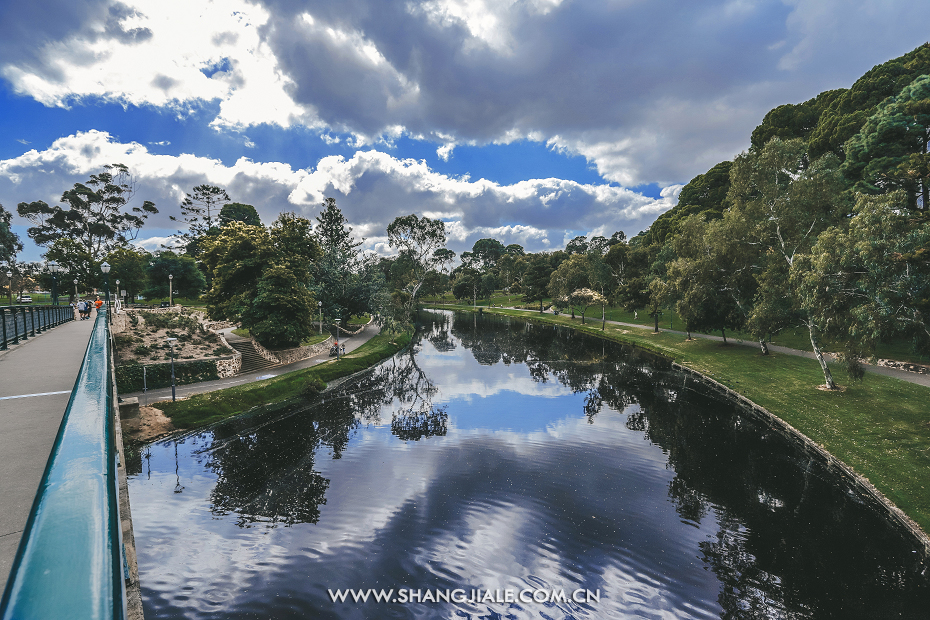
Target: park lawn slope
(879,427)
(210,407)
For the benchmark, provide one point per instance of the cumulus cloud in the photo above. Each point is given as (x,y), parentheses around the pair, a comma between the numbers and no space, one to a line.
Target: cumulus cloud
(372,188)
(644,97)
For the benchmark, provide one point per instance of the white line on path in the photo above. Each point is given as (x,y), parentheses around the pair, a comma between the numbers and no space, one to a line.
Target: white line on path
(31,395)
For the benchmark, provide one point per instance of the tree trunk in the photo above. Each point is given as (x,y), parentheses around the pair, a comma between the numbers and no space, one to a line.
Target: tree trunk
(573,312)
(765,347)
(603,318)
(724,337)
(540,306)
(582,316)
(656,331)
(819,355)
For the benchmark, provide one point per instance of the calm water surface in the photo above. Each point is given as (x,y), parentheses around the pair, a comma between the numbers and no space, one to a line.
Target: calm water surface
(498,454)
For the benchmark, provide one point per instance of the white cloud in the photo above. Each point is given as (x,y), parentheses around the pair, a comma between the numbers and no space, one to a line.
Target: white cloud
(580,76)
(372,188)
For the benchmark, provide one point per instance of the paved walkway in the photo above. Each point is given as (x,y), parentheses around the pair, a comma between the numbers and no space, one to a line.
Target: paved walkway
(904,375)
(36,379)
(351,343)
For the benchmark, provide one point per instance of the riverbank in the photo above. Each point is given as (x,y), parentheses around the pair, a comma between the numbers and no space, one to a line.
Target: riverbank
(880,427)
(210,407)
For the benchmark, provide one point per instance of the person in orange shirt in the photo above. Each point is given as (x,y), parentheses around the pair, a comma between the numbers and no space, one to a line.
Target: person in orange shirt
(98,303)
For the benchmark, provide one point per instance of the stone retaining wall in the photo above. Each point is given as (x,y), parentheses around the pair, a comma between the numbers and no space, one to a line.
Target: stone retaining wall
(289,356)
(865,488)
(918,368)
(228,366)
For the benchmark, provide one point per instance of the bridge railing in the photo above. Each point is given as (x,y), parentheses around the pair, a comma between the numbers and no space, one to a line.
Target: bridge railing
(23,322)
(70,562)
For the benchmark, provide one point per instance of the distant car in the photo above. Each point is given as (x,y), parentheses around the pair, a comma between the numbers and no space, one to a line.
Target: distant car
(25,299)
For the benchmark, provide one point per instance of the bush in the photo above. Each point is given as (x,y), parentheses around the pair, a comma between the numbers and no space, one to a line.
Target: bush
(129,377)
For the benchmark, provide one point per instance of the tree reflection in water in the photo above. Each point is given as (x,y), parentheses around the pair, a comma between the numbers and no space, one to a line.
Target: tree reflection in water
(265,462)
(792,539)
(783,516)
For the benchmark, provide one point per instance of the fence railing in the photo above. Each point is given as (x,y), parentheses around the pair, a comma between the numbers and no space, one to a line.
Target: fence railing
(70,562)
(24,322)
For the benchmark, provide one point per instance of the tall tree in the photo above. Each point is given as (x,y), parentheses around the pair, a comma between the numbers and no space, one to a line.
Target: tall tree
(488,252)
(536,280)
(890,151)
(130,267)
(787,201)
(238,212)
(572,275)
(98,214)
(200,210)
(418,239)
(444,257)
(188,281)
(871,279)
(337,268)
(10,245)
(235,257)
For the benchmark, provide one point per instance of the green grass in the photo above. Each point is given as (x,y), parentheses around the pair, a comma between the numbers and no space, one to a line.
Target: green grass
(794,338)
(309,340)
(879,427)
(314,339)
(203,409)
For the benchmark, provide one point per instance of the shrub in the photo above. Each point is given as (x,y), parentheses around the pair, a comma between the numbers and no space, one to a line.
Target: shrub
(129,377)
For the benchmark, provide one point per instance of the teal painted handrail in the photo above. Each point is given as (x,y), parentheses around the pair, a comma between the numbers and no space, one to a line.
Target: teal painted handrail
(69,563)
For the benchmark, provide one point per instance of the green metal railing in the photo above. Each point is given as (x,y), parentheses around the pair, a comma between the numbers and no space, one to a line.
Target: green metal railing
(70,563)
(22,322)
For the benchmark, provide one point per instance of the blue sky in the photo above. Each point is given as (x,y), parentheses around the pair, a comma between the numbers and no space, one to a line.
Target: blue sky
(531,121)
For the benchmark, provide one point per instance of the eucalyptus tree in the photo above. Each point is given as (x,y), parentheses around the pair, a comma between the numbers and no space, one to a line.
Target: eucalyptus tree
(870,279)
(711,280)
(417,239)
(98,214)
(785,200)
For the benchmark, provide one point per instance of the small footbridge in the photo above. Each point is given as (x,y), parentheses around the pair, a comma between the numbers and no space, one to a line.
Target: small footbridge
(66,548)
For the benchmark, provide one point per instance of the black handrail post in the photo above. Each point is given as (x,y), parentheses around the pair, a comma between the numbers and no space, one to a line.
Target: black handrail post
(25,324)
(32,316)
(3,320)
(15,328)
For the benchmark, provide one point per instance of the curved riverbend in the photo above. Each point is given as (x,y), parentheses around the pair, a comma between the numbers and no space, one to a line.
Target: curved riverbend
(500,454)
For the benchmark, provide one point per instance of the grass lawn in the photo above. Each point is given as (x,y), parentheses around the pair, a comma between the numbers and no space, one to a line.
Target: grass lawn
(794,338)
(880,427)
(203,409)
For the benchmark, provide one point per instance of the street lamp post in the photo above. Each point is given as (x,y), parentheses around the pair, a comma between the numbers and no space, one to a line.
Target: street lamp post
(75,291)
(54,268)
(171,343)
(9,281)
(116,292)
(320,305)
(337,338)
(170,290)
(105,268)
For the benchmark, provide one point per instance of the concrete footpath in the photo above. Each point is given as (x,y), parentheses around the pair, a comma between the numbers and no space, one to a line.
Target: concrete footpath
(351,343)
(36,379)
